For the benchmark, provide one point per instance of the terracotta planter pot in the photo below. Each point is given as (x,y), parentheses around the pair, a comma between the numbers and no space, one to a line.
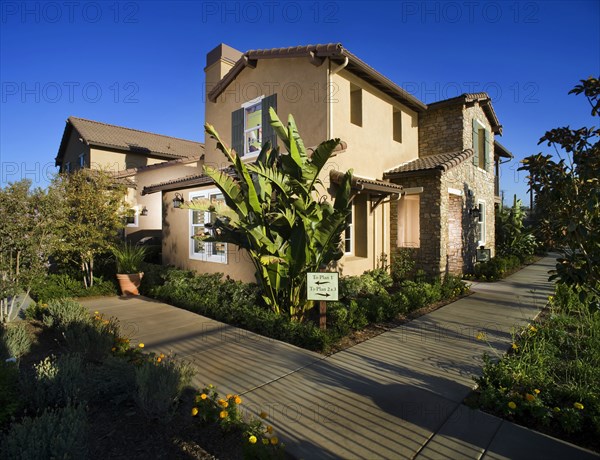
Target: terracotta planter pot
(129,283)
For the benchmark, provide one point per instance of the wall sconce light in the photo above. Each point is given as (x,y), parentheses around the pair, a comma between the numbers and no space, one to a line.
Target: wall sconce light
(144,211)
(178,200)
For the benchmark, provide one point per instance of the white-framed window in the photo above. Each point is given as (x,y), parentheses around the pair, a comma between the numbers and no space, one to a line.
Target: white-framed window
(253,126)
(480,229)
(68,167)
(481,147)
(349,233)
(81,160)
(409,227)
(200,250)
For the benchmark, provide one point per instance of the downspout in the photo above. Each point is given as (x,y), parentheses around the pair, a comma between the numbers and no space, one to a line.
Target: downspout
(331,72)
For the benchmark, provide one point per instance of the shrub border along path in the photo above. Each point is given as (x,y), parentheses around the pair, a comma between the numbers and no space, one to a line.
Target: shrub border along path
(398,395)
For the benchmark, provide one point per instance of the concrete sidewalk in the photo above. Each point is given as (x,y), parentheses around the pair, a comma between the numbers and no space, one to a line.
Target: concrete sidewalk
(398,395)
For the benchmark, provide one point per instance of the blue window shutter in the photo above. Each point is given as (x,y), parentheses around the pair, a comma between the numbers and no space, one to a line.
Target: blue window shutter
(476,142)
(268,133)
(237,131)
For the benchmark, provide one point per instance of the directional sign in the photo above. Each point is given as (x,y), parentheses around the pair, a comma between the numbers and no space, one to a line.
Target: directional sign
(322,286)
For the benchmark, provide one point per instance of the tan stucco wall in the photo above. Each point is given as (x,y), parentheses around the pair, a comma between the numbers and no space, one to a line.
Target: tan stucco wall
(301,90)
(119,161)
(74,148)
(176,244)
(153,202)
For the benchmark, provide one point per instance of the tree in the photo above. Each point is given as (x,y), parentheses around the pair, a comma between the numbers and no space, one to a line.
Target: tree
(278,215)
(567,197)
(28,235)
(512,238)
(93,209)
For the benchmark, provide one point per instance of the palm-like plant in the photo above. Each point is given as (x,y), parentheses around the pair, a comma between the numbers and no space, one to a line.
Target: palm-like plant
(279,217)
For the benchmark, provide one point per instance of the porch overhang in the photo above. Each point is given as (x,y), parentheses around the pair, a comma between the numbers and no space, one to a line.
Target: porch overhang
(371,186)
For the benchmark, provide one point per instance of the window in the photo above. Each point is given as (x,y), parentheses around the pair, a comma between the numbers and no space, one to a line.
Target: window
(481,146)
(200,250)
(409,222)
(355,105)
(349,233)
(253,128)
(397,124)
(131,217)
(68,167)
(81,159)
(480,229)
(250,126)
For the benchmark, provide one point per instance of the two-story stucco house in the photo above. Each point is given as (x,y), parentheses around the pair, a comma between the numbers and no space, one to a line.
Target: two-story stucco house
(424,175)
(135,158)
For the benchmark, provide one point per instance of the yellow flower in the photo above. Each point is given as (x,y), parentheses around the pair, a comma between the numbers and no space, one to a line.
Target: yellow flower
(515,346)
(211,386)
(223,403)
(265,441)
(223,414)
(556,409)
(229,396)
(162,355)
(252,439)
(512,405)
(113,349)
(194,411)
(203,396)
(269,429)
(529,397)
(263,415)
(274,440)
(550,298)
(159,359)
(578,405)
(533,328)
(95,313)
(480,336)
(141,345)
(238,400)
(536,391)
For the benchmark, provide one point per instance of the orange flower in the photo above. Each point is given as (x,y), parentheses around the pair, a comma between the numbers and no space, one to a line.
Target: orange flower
(194,411)
(529,397)
(223,414)
(238,400)
(263,414)
(269,429)
(274,440)
(203,396)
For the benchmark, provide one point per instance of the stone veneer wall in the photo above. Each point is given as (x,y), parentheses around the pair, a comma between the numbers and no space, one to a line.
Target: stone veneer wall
(441,130)
(427,255)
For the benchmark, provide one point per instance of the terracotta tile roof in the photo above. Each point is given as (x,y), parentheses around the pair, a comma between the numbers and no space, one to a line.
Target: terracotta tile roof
(440,162)
(127,139)
(317,55)
(133,171)
(368,185)
(192,180)
(484,100)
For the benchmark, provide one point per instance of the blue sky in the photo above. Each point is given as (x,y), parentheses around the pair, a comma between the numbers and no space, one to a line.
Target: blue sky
(140,64)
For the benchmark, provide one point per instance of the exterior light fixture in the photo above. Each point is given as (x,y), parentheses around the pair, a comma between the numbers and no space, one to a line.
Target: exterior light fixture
(178,200)
(144,211)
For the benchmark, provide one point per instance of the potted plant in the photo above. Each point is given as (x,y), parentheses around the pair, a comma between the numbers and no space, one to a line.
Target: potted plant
(129,267)
(130,216)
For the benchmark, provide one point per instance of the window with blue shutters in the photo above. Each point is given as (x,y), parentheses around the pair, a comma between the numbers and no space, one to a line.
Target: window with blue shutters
(250,126)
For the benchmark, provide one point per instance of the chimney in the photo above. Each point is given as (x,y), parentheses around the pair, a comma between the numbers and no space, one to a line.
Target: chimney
(218,62)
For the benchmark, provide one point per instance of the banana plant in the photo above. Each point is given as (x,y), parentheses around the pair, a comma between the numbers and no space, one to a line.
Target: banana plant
(278,215)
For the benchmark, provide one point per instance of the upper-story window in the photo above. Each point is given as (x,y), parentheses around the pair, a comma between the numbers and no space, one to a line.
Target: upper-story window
(356,105)
(481,145)
(397,124)
(250,126)
(81,161)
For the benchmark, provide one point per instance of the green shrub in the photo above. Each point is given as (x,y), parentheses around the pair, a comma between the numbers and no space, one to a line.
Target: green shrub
(159,385)
(62,313)
(59,433)
(497,267)
(112,380)
(93,338)
(154,277)
(57,381)
(403,264)
(420,294)
(10,391)
(15,340)
(452,286)
(58,286)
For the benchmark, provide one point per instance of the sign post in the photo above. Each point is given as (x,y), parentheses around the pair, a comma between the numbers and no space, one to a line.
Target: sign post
(323,287)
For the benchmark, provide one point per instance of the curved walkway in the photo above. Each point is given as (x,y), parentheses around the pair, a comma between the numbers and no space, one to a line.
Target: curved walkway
(398,395)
